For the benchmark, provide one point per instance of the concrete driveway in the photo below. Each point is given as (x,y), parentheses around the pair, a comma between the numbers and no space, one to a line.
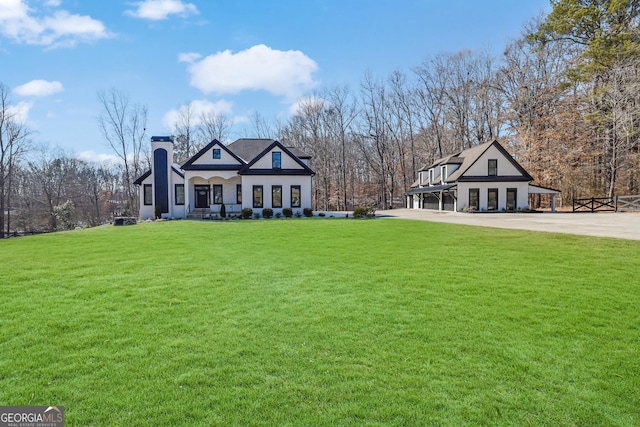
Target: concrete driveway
(601,224)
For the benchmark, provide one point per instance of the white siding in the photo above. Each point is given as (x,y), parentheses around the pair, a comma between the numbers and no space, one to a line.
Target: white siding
(207,158)
(481,166)
(522,193)
(248,181)
(286,161)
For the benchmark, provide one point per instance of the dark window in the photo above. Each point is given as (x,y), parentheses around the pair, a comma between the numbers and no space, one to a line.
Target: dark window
(443,174)
(512,198)
(257,196)
(148,194)
(179,194)
(239,194)
(276,160)
(217,194)
(295,196)
(216,153)
(474,199)
(492,199)
(276,196)
(493,167)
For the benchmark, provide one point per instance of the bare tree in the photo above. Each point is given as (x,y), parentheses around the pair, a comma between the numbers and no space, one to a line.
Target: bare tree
(124,127)
(215,126)
(14,142)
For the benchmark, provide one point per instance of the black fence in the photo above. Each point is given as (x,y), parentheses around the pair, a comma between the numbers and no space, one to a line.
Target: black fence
(607,204)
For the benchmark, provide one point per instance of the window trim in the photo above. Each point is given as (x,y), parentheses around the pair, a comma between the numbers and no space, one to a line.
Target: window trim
(275,165)
(239,194)
(477,193)
(494,168)
(489,191)
(218,152)
(147,191)
(261,204)
(443,173)
(213,194)
(515,199)
(273,200)
(299,188)
(175,193)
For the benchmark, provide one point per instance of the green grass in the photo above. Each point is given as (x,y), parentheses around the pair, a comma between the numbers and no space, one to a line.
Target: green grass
(321,322)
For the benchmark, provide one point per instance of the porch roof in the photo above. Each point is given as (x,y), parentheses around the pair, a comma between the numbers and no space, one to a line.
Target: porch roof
(432,189)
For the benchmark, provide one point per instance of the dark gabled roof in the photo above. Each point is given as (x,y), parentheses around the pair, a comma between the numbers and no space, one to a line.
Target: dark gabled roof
(299,153)
(142,177)
(186,165)
(470,156)
(249,148)
(147,174)
(247,169)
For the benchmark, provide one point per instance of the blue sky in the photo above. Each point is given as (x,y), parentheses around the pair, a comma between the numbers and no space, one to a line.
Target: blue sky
(233,57)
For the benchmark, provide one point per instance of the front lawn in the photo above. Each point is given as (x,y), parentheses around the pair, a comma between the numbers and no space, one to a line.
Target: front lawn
(321,322)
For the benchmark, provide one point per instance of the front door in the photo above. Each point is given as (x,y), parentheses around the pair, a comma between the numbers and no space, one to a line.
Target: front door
(202,196)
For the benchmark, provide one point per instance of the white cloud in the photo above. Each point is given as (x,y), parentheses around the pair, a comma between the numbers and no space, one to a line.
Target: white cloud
(157,10)
(189,57)
(198,107)
(53,3)
(102,158)
(287,73)
(39,88)
(20,111)
(21,23)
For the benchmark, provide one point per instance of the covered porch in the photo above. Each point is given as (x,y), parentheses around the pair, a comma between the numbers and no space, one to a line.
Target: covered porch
(437,197)
(207,191)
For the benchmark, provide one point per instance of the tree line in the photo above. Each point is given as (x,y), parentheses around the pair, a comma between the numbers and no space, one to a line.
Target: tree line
(563,98)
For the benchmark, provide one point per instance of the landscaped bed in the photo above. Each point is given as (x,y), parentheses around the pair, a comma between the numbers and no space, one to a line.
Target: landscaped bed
(333,322)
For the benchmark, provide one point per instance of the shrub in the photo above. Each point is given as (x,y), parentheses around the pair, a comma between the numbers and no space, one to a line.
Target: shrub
(267,213)
(223,211)
(246,213)
(322,214)
(298,214)
(256,215)
(360,212)
(287,212)
(365,212)
(278,214)
(157,213)
(307,212)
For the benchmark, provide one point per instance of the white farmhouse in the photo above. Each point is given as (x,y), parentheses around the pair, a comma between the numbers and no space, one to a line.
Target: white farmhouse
(482,178)
(248,173)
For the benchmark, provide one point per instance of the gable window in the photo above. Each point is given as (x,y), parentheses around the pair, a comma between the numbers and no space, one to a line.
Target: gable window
(276,196)
(239,194)
(492,199)
(257,196)
(179,194)
(148,194)
(443,174)
(216,153)
(295,196)
(474,199)
(512,197)
(276,160)
(217,194)
(430,176)
(493,167)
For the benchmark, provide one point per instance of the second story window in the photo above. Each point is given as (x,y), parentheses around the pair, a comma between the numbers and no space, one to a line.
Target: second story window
(443,174)
(276,158)
(493,167)
(216,153)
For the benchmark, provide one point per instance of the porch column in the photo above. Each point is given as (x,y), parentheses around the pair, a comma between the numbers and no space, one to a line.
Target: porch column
(187,185)
(440,203)
(553,203)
